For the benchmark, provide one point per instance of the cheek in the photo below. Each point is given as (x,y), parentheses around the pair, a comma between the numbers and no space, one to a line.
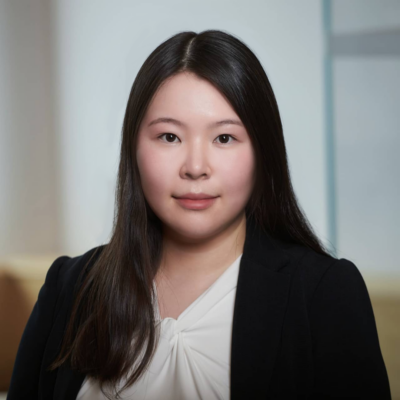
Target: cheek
(153,171)
(237,175)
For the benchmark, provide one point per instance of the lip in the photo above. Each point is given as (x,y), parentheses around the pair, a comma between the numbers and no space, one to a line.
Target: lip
(196,204)
(196,196)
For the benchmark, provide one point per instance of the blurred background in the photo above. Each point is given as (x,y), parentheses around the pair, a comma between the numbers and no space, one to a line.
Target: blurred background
(66,69)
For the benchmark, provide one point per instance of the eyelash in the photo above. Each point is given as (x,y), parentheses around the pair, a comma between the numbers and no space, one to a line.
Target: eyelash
(223,134)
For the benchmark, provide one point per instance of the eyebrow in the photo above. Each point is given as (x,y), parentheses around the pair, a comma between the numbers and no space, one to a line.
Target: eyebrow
(179,123)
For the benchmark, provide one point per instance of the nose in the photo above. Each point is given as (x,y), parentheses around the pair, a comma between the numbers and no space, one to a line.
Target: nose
(196,161)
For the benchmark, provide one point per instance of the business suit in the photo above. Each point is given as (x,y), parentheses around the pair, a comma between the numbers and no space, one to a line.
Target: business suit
(303,328)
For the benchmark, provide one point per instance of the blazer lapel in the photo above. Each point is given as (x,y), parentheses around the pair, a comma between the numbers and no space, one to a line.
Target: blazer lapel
(261,297)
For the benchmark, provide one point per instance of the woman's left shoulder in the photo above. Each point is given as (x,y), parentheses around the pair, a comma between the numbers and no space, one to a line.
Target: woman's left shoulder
(333,288)
(347,355)
(324,272)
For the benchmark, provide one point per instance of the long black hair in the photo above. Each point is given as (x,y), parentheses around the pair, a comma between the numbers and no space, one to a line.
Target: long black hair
(112,332)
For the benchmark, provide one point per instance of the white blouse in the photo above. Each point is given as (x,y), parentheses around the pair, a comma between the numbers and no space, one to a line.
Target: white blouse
(192,359)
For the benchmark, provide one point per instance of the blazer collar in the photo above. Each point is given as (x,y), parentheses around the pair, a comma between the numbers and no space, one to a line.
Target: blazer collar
(261,297)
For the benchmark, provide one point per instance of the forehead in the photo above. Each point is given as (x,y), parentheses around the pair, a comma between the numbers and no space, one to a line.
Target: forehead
(186,96)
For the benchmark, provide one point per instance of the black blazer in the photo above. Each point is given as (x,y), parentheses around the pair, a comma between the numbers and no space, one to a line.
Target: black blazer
(303,328)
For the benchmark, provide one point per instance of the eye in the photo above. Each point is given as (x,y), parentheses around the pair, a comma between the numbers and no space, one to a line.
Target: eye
(172,136)
(168,135)
(227,136)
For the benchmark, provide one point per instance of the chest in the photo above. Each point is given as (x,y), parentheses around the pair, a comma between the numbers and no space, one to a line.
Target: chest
(175,297)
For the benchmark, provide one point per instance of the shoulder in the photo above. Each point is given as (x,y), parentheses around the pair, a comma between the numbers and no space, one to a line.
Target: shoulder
(65,270)
(54,298)
(314,271)
(334,293)
(60,285)
(73,266)
(346,349)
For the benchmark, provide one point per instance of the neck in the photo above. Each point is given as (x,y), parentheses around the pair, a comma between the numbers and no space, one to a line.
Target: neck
(193,261)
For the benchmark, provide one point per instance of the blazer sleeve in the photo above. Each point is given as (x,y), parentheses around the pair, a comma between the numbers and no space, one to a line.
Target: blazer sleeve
(25,376)
(347,356)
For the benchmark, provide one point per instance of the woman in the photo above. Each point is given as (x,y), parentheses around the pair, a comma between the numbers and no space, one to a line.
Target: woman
(213,285)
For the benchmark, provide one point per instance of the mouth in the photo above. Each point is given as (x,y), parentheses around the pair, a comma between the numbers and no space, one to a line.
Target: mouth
(196,204)
(195,196)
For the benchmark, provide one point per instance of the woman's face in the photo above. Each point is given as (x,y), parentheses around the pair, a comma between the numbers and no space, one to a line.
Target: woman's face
(194,155)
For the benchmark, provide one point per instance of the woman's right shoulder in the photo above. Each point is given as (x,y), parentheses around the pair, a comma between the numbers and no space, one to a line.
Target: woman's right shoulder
(65,270)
